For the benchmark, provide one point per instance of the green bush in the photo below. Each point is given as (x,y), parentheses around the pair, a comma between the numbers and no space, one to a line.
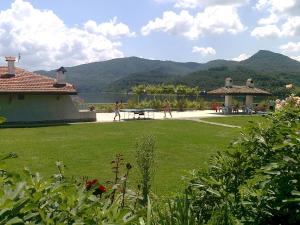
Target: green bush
(156,103)
(30,199)
(257,180)
(2,120)
(175,211)
(166,89)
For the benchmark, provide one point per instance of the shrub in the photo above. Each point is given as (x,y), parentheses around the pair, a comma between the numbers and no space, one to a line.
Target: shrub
(2,120)
(91,108)
(176,211)
(156,104)
(181,104)
(145,150)
(257,180)
(31,199)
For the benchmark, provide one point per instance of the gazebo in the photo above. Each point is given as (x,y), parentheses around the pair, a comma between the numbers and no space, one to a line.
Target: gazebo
(230,90)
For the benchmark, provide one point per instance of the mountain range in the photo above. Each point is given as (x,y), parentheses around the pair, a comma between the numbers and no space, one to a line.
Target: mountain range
(268,69)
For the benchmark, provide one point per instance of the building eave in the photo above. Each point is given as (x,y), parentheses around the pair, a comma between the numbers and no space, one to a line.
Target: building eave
(239,90)
(36,92)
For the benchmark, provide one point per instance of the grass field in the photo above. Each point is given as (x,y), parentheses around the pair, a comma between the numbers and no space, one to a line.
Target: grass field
(87,149)
(237,120)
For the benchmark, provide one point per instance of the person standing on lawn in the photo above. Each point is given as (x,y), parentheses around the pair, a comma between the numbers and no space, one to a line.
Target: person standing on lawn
(167,108)
(117,111)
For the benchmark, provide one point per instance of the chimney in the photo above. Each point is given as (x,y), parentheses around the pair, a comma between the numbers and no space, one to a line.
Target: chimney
(250,83)
(228,82)
(60,77)
(10,65)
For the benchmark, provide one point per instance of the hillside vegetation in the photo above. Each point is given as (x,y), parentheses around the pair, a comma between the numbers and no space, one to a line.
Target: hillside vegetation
(268,69)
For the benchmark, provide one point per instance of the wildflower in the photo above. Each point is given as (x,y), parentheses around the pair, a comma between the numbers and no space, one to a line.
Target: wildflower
(102,189)
(99,190)
(94,181)
(90,183)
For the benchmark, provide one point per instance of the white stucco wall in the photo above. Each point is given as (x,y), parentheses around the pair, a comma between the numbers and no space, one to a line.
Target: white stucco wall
(40,108)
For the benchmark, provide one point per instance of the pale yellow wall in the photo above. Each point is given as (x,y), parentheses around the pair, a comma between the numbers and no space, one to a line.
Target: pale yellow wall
(228,100)
(39,108)
(249,100)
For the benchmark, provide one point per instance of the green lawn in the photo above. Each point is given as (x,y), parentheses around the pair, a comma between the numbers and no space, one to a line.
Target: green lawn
(87,149)
(237,120)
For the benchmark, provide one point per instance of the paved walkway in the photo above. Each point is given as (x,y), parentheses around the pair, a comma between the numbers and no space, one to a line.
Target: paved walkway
(214,123)
(191,115)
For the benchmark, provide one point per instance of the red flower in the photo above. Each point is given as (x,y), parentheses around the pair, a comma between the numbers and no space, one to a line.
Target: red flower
(94,181)
(90,183)
(101,189)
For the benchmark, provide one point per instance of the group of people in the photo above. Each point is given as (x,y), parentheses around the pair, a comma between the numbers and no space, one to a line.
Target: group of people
(167,109)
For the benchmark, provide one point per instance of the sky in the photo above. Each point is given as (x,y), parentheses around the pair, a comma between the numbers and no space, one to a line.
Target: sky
(52,33)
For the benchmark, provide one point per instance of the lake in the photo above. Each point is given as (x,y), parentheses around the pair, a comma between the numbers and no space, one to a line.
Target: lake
(108,97)
(103,97)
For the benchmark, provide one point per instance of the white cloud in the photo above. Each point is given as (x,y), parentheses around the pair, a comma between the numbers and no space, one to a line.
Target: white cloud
(46,42)
(204,51)
(279,7)
(276,5)
(211,20)
(241,57)
(290,28)
(283,12)
(296,58)
(110,29)
(203,3)
(290,47)
(268,31)
(271,19)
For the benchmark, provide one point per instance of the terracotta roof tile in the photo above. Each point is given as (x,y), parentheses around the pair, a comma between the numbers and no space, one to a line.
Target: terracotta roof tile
(28,82)
(236,90)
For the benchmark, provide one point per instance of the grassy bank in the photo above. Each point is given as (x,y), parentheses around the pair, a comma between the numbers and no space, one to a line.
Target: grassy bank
(237,120)
(87,149)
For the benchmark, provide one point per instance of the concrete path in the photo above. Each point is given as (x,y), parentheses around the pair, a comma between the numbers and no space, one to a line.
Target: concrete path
(214,123)
(195,114)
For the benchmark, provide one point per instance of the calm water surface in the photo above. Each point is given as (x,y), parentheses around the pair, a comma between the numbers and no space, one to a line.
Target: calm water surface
(101,97)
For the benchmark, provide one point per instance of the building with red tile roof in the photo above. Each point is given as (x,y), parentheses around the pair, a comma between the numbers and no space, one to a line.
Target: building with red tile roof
(27,82)
(29,97)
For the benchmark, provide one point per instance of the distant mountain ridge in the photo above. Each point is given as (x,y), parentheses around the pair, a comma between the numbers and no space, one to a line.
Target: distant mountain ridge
(267,61)
(123,73)
(96,76)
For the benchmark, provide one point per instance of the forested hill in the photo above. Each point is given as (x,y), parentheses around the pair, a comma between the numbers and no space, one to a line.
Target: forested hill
(97,76)
(268,61)
(268,69)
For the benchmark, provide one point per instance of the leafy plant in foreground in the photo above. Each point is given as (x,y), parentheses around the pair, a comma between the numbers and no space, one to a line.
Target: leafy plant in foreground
(31,199)
(145,150)
(256,181)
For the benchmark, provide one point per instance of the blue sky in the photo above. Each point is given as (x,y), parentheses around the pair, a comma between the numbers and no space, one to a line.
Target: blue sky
(49,33)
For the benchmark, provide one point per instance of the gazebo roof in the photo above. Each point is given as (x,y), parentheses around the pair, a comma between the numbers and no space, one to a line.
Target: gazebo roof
(238,90)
